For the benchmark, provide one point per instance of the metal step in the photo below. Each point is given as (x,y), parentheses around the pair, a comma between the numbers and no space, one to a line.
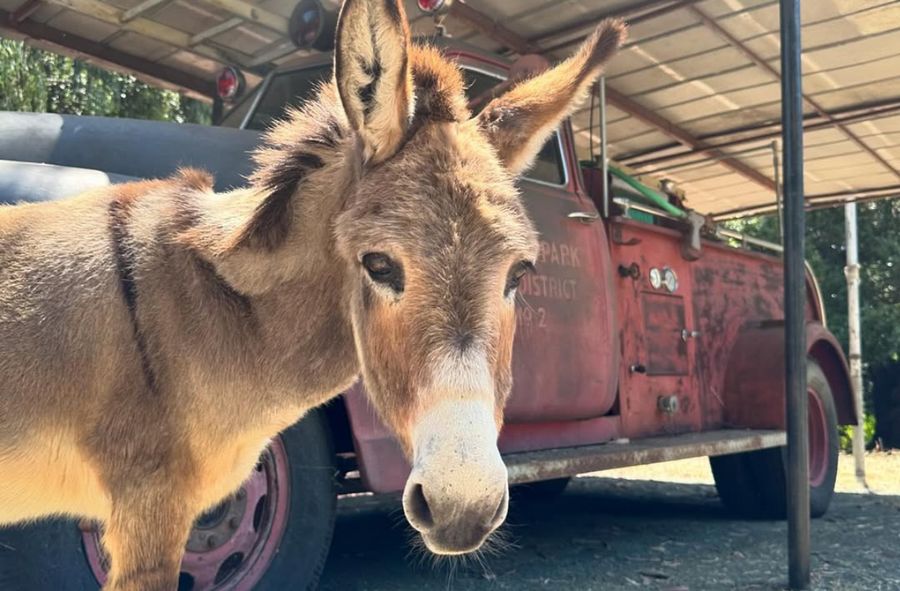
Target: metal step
(531,466)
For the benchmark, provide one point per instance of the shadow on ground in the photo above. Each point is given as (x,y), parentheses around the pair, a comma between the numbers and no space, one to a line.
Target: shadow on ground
(615,534)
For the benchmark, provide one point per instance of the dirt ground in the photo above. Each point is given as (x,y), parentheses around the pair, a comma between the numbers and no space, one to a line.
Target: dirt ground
(655,527)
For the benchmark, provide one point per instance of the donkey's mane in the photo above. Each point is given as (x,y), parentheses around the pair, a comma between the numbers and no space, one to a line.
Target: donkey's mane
(316,134)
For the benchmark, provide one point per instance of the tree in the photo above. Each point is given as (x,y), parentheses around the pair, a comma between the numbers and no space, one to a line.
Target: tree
(43,82)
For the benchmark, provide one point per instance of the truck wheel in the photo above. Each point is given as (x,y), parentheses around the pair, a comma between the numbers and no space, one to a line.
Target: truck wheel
(274,533)
(754,484)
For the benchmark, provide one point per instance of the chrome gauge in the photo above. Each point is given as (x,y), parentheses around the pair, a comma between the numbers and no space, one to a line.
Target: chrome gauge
(655,278)
(670,280)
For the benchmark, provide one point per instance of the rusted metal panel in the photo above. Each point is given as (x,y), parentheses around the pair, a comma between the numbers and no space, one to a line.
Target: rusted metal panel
(518,437)
(754,383)
(667,351)
(731,290)
(565,361)
(557,463)
(658,391)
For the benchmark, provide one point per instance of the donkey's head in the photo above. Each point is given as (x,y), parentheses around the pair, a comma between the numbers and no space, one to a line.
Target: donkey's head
(436,239)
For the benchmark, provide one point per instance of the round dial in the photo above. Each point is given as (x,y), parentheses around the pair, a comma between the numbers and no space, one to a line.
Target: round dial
(670,280)
(655,278)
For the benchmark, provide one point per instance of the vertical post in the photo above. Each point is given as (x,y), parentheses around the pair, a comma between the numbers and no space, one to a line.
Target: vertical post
(795,298)
(218,109)
(851,271)
(603,148)
(776,167)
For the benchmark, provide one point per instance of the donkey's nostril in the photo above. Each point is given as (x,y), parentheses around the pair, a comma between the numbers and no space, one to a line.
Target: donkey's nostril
(417,508)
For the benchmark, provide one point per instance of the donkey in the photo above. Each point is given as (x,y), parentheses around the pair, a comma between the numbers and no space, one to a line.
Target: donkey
(156,335)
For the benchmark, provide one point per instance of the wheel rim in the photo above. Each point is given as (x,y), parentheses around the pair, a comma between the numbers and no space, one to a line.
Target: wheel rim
(232,544)
(818,440)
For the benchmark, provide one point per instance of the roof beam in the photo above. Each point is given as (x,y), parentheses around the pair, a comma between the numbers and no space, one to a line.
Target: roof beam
(684,137)
(109,14)
(521,45)
(107,56)
(25,10)
(141,9)
(252,13)
(584,23)
(817,201)
(763,64)
(216,30)
(489,26)
(763,132)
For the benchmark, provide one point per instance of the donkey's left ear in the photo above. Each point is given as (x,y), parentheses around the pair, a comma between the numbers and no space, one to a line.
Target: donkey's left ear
(518,122)
(374,78)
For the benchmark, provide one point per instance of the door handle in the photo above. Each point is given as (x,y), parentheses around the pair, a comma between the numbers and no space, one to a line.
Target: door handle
(689,334)
(585,217)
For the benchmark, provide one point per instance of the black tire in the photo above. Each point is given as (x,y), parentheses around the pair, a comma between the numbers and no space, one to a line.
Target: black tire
(50,556)
(541,491)
(306,541)
(754,484)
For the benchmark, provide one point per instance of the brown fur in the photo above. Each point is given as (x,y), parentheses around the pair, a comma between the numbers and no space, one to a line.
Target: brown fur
(156,335)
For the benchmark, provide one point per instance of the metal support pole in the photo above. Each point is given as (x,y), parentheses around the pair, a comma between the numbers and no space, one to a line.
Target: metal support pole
(851,271)
(795,298)
(604,148)
(218,110)
(776,166)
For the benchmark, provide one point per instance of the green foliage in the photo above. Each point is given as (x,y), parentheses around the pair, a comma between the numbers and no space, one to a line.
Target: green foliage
(868,433)
(42,82)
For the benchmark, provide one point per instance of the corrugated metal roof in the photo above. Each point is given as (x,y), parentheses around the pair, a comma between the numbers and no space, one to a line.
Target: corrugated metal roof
(695,95)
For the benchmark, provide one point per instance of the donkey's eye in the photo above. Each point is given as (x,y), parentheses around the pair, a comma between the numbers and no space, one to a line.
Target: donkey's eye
(515,275)
(382,269)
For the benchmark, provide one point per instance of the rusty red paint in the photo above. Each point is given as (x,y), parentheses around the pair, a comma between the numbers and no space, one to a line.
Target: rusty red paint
(754,388)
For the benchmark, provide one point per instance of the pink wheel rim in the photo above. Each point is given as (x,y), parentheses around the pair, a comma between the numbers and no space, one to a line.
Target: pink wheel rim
(818,440)
(231,545)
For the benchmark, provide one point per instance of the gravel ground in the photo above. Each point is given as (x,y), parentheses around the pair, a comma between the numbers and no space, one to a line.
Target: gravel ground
(632,533)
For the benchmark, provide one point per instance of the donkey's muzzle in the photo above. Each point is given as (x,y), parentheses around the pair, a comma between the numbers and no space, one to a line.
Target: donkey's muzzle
(450,525)
(457,493)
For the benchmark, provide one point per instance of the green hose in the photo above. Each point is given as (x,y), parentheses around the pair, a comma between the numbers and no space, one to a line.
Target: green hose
(656,198)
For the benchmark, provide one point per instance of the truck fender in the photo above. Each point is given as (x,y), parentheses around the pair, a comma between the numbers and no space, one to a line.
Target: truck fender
(754,392)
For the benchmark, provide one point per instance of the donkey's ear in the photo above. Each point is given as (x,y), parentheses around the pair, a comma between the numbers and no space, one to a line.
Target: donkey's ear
(374,78)
(519,121)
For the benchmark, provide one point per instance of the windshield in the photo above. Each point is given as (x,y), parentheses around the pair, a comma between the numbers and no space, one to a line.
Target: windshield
(292,87)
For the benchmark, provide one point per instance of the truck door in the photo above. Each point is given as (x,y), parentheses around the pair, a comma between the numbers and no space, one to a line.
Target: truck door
(566,358)
(658,392)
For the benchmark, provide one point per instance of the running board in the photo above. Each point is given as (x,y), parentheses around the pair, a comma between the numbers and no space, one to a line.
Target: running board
(531,466)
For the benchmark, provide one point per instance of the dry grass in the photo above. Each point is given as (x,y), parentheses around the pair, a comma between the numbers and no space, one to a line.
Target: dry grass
(882,472)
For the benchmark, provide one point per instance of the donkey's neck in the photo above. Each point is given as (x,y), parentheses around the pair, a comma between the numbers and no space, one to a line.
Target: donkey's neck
(274,244)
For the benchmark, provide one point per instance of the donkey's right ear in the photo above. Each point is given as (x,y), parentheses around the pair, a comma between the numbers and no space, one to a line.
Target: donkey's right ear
(374,78)
(518,122)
